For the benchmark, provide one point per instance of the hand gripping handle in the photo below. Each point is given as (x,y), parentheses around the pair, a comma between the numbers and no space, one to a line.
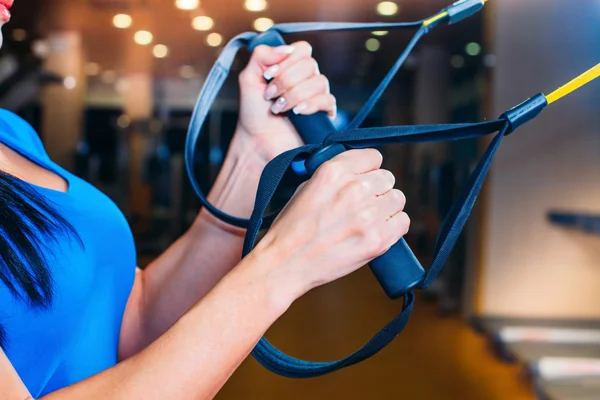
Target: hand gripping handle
(398,270)
(312,128)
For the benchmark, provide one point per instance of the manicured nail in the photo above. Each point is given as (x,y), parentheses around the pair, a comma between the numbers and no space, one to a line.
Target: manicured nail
(284,49)
(279,105)
(300,108)
(271,72)
(271,92)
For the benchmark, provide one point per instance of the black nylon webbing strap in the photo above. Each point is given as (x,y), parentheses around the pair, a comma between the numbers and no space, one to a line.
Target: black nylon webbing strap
(220,72)
(353,137)
(286,365)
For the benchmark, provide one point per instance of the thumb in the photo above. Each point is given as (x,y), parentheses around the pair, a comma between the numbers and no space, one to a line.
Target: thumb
(262,58)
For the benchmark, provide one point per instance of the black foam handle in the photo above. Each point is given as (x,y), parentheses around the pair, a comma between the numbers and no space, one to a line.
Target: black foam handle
(398,270)
(312,128)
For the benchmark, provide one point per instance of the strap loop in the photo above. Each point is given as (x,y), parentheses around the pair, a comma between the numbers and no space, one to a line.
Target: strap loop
(352,137)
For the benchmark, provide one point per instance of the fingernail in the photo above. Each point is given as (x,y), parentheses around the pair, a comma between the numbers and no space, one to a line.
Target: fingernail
(271,72)
(300,108)
(279,105)
(284,49)
(270,92)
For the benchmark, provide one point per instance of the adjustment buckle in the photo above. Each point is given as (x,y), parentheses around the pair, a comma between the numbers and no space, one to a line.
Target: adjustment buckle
(463,9)
(524,112)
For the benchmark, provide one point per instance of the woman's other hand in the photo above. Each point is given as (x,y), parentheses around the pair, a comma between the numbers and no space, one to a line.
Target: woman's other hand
(296,85)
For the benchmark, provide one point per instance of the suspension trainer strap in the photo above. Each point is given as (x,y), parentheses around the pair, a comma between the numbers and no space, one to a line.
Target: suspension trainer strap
(220,71)
(210,90)
(353,137)
(285,365)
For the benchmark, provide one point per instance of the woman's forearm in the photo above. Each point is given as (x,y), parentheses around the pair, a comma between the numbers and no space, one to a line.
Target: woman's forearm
(194,264)
(197,355)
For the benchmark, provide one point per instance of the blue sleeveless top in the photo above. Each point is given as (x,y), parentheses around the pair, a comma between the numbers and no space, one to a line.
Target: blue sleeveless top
(79,335)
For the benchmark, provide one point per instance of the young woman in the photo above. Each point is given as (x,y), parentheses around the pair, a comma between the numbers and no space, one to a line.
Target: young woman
(78,321)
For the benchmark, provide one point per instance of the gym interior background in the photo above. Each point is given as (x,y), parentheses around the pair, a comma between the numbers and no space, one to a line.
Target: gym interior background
(110,85)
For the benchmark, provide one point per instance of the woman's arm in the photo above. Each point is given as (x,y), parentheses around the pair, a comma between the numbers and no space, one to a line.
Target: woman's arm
(346,215)
(197,355)
(192,266)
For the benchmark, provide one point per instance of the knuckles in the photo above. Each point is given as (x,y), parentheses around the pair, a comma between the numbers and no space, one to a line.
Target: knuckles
(406,222)
(303,47)
(373,243)
(323,83)
(399,198)
(390,178)
(330,172)
(372,154)
(354,192)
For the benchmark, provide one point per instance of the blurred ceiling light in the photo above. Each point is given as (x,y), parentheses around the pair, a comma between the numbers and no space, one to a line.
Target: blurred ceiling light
(92,69)
(457,61)
(387,8)
(473,49)
(187,4)
(379,33)
(123,121)
(122,85)
(187,72)
(109,76)
(122,21)
(143,38)
(263,24)
(160,51)
(214,39)
(19,35)
(372,44)
(70,82)
(255,5)
(202,23)
(40,48)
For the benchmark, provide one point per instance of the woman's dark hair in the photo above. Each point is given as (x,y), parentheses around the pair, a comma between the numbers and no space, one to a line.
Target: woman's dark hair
(29,225)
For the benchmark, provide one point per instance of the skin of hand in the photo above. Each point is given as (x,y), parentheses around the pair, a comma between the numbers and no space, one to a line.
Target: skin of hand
(346,215)
(296,85)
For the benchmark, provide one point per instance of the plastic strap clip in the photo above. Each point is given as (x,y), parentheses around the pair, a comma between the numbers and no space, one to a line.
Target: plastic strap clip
(463,9)
(524,112)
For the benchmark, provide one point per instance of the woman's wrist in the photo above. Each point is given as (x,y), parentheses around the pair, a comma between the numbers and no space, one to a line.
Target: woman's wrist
(234,190)
(272,271)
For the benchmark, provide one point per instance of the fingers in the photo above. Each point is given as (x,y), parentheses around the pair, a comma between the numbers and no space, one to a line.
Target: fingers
(265,59)
(297,73)
(296,83)
(312,93)
(296,52)
(397,227)
(390,204)
(357,161)
(301,51)
(378,182)
(323,102)
(390,207)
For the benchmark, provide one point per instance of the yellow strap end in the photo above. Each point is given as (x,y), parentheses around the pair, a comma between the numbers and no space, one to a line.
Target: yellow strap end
(435,18)
(575,84)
